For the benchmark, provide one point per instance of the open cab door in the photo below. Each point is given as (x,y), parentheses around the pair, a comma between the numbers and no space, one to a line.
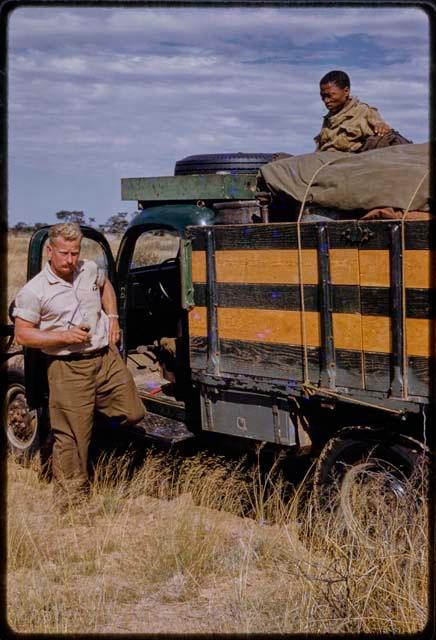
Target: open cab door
(151,273)
(94,247)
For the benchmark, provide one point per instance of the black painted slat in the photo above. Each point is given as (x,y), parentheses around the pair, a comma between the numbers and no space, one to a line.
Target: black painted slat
(418,235)
(378,371)
(259,296)
(374,301)
(422,376)
(345,298)
(349,369)
(272,236)
(270,360)
(421,303)
(198,352)
(286,362)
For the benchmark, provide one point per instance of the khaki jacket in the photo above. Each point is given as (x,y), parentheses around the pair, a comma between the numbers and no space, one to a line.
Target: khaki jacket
(348,129)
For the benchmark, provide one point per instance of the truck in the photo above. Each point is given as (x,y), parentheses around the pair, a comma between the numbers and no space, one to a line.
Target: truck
(317,337)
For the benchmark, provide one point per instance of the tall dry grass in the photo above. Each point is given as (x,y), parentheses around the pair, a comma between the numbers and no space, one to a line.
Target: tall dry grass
(203,545)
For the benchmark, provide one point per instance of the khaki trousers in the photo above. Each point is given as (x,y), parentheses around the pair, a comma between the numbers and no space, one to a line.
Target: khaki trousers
(77,389)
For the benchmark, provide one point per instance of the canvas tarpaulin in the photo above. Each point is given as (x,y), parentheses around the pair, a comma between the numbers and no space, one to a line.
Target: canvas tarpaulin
(387,177)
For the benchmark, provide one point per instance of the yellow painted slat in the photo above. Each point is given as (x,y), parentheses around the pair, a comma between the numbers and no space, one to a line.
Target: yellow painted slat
(199,266)
(265,325)
(420,336)
(374,268)
(344,266)
(347,331)
(420,269)
(198,321)
(272,326)
(376,332)
(265,266)
(281,266)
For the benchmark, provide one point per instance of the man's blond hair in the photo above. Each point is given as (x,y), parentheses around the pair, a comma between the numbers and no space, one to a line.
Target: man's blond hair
(66,230)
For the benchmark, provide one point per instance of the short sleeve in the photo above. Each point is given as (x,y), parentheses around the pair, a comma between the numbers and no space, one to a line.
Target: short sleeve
(101,277)
(27,306)
(95,273)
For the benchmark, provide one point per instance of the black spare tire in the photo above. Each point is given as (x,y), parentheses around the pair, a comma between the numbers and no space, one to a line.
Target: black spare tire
(232,163)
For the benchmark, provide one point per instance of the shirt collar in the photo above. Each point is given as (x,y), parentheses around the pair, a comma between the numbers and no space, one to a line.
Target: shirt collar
(54,279)
(353,101)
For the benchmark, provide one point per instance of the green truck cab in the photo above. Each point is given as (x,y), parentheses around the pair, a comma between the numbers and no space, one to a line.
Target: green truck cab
(313,337)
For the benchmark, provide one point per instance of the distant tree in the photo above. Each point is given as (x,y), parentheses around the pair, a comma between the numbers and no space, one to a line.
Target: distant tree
(71,216)
(91,222)
(21,226)
(117,223)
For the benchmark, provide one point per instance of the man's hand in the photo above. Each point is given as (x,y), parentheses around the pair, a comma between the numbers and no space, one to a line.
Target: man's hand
(381,129)
(77,335)
(114,331)
(28,334)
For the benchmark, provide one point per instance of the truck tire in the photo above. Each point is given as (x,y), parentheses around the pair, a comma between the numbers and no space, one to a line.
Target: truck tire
(233,163)
(20,422)
(357,459)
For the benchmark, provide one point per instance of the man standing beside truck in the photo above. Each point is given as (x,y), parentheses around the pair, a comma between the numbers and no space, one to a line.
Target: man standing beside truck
(69,311)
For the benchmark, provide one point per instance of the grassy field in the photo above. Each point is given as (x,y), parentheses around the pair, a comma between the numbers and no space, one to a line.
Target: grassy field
(173,550)
(202,545)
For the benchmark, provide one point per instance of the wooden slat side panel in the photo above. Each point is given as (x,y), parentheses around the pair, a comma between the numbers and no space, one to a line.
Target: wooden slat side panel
(199,266)
(274,236)
(198,352)
(374,268)
(422,376)
(264,325)
(420,269)
(420,337)
(286,362)
(378,371)
(344,266)
(276,326)
(279,361)
(420,234)
(347,331)
(266,266)
(376,332)
(349,369)
(198,321)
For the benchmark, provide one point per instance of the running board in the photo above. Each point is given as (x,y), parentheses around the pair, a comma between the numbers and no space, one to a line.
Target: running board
(162,429)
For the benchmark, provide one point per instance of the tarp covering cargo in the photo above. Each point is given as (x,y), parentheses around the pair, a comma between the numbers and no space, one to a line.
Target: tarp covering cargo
(396,176)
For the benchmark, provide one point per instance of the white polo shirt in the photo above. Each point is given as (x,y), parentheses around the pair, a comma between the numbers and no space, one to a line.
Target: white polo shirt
(52,303)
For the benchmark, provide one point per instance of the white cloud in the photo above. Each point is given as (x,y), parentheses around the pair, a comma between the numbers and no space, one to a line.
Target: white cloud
(104,92)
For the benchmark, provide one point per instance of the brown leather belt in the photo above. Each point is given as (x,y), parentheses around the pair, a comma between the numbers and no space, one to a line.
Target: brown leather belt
(85,355)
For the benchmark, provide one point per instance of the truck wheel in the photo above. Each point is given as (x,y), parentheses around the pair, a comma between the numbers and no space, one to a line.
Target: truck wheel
(20,422)
(355,469)
(222,162)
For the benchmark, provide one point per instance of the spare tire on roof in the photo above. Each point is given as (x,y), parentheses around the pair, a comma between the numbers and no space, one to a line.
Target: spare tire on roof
(222,162)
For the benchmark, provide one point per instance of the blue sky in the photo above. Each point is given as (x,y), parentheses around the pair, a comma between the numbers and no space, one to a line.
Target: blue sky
(97,94)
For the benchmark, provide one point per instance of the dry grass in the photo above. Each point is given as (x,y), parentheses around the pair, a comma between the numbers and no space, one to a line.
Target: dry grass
(171,549)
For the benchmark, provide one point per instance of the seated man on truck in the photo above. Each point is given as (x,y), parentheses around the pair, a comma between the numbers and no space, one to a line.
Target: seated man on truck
(349,122)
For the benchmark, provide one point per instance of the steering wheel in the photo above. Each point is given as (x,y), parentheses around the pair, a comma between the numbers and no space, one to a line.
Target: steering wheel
(158,292)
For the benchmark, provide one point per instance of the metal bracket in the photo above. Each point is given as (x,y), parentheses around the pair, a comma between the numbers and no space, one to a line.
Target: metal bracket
(357,235)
